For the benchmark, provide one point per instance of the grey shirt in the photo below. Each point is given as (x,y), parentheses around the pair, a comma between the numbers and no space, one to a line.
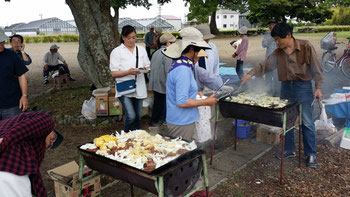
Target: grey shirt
(51,59)
(160,65)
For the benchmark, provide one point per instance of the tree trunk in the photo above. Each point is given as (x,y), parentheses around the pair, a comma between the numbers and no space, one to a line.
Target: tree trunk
(213,29)
(98,36)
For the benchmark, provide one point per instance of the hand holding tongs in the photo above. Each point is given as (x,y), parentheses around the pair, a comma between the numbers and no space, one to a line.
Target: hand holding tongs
(238,90)
(227,80)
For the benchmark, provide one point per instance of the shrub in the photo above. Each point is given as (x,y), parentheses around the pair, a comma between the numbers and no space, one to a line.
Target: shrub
(51,38)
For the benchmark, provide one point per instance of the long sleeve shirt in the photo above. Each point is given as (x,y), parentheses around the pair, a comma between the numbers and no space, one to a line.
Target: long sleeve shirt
(270,46)
(301,65)
(149,39)
(51,59)
(242,48)
(160,65)
(23,147)
(208,74)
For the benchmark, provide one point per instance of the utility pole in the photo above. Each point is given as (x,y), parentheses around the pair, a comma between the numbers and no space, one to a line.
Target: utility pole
(159,10)
(41,16)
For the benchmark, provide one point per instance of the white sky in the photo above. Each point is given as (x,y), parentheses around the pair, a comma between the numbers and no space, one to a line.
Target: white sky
(25,11)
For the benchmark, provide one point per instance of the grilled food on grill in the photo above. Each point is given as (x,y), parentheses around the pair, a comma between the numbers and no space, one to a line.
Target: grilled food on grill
(140,149)
(258,100)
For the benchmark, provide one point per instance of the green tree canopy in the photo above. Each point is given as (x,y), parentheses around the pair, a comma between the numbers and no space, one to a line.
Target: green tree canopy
(341,16)
(316,11)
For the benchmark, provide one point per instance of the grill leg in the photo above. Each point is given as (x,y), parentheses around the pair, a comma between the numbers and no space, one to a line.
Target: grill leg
(300,129)
(282,158)
(213,144)
(132,190)
(235,146)
(205,170)
(160,187)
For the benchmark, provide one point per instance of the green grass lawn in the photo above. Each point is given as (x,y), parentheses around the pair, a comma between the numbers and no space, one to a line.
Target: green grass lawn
(66,101)
(340,34)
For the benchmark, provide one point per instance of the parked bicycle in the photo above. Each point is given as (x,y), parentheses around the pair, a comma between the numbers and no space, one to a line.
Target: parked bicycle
(329,61)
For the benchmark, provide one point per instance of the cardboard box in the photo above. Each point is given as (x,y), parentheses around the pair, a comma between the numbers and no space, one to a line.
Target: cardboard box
(114,105)
(268,134)
(90,187)
(101,101)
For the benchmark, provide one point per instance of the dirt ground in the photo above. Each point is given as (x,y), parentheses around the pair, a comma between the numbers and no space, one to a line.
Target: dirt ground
(74,136)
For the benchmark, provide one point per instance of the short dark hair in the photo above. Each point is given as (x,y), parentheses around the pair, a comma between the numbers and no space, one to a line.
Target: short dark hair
(126,30)
(16,36)
(281,30)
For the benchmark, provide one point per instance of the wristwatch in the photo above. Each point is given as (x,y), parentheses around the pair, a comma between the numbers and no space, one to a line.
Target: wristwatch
(25,95)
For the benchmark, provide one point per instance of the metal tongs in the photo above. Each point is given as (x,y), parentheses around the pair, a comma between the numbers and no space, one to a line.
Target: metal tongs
(319,100)
(227,80)
(223,93)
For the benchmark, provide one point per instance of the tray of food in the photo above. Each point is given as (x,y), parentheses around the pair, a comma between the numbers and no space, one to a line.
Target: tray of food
(138,149)
(260,108)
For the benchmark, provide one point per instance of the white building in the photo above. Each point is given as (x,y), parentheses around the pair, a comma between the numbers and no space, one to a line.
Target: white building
(174,21)
(227,19)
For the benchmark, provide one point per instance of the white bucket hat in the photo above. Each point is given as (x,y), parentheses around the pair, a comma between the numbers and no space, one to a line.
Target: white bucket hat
(205,30)
(243,30)
(3,36)
(190,36)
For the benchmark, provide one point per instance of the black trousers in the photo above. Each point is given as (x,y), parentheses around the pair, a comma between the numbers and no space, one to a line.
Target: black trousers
(56,67)
(159,108)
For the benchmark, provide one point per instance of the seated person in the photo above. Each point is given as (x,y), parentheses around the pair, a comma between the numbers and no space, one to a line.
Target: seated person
(17,46)
(24,140)
(51,63)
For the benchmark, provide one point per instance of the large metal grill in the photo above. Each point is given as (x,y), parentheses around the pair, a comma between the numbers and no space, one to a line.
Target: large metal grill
(269,116)
(177,176)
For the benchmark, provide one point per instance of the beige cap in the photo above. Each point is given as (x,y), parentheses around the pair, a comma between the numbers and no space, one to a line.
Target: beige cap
(205,30)
(190,36)
(243,30)
(3,36)
(167,37)
(54,46)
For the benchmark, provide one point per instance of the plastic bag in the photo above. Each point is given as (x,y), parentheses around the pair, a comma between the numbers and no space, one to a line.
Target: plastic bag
(328,42)
(89,110)
(324,126)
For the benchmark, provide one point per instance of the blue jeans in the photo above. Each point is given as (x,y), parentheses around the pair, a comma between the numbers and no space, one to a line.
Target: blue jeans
(302,92)
(132,110)
(9,112)
(239,69)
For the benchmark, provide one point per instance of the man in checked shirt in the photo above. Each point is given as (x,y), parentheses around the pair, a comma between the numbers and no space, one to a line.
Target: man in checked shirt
(24,140)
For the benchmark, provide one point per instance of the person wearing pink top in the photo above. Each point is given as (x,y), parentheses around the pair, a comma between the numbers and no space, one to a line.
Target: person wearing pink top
(241,51)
